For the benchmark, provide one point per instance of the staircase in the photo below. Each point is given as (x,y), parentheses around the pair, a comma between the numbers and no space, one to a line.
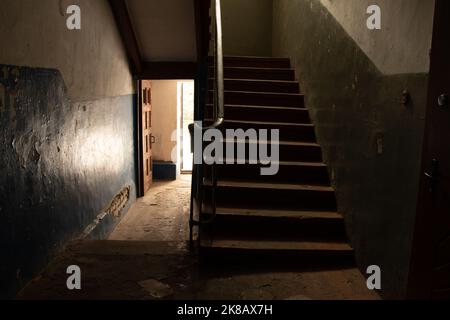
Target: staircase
(292,214)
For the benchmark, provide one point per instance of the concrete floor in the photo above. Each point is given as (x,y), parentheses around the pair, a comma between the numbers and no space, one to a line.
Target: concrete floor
(147,257)
(162,215)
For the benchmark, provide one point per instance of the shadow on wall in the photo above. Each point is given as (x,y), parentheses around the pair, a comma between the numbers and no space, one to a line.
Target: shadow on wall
(62,162)
(371,141)
(247,27)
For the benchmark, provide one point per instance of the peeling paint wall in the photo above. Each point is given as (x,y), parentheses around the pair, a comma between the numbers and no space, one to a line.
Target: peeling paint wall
(67,138)
(371,141)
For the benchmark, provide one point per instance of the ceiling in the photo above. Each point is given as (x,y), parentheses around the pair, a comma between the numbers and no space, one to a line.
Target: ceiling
(164,30)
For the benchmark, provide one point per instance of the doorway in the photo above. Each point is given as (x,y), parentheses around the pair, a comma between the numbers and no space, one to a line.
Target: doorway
(166,108)
(429,276)
(145,137)
(186,97)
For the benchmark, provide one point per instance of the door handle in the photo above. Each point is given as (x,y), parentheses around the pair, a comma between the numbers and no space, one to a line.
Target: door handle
(152,139)
(443,100)
(433,175)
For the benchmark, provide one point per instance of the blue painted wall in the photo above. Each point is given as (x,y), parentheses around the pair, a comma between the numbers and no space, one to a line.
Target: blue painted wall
(61,162)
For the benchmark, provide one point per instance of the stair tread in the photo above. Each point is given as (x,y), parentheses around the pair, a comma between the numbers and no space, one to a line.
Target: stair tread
(258,68)
(258,85)
(263,93)
(299,198)
(281,143)
(282,163)
(268,123)
(259,80)
(278,186)
(254,57)
(267,213)
(278,108)
(254,69)
(276,245)
(254,61)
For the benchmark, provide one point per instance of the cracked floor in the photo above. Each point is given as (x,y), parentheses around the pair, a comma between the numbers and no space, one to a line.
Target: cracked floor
(147,258)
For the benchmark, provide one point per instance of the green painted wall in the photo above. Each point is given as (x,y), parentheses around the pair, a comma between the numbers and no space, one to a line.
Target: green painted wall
(371,141)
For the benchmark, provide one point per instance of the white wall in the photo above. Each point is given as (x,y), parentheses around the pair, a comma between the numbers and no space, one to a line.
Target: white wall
(166,120)
(92,60)
(402,45)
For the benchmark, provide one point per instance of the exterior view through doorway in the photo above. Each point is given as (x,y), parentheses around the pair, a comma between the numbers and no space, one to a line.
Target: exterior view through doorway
(186,91)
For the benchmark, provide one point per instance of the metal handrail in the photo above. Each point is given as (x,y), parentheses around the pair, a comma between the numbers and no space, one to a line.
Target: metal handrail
(219,64)
(218,103)
(218,112)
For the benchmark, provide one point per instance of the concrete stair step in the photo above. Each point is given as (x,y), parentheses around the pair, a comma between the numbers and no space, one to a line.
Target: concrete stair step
(274,226)
(285,74)
(271,186)
(288,151)
(263,113)
(287,131)
(294,100)
(288,217)
(274,213)
(254,62)
(288,172)
(272,195)
(253,85)
(271,245)
(270,256)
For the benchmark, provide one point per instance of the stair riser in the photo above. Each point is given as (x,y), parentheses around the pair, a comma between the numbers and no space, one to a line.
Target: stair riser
(259,86)
(286,152)
(283,237)
(264,115)
(254,63)
(286,174)
(286,132)
(270,260)
(282,229)
(260,99)
(258,74)
(273,198)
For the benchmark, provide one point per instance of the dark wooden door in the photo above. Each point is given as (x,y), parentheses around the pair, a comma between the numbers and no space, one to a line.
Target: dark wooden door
(145,109)
(430,265)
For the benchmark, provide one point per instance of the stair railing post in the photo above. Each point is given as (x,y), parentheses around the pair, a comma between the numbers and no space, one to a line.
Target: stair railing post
(219,115)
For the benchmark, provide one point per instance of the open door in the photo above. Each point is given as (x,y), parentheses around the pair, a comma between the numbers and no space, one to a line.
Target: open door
(145,135)
(429,276)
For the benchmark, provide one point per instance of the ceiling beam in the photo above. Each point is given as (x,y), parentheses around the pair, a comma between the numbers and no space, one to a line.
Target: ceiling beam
(172,70)
(123,21)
